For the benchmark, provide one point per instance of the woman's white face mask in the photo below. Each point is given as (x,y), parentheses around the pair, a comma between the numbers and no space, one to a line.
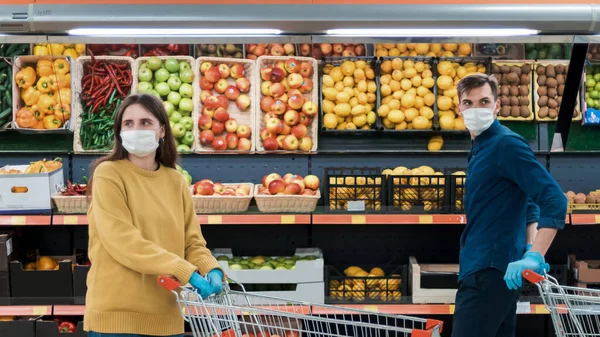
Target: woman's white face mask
(140,143)
(477,120)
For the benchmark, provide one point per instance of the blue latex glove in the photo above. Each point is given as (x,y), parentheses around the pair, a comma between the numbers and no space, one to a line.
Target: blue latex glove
(201,284)
(531,260)
(215,278)
(527,248)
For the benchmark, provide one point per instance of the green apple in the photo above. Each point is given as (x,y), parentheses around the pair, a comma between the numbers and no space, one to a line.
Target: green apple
(178,168)
(186,105)
(187,122)
(171,124)
(187,176)
(178,131)
(145,75)
(186,76)
(183,65)
(281,268)
(176,117)
(169,107)
(174,97)
(188,138)
(235,267)
(161,75)
(174,83)
(163,88)
(186,90)
(154,63)
(266,267)
(172,65)
(155,93)
(183,148)
(597,77)
(144,87)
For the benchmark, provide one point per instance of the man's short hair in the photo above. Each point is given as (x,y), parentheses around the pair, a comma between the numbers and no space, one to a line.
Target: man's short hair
(475,81)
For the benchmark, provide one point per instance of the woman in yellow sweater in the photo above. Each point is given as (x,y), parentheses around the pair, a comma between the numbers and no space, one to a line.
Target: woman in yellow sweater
(142,225)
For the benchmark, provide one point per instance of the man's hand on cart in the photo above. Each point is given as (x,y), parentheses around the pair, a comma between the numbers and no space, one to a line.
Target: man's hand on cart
(531,260)
(212,284)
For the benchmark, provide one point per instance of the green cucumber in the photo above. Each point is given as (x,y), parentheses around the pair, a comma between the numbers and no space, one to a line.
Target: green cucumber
(11,49)
(5,113)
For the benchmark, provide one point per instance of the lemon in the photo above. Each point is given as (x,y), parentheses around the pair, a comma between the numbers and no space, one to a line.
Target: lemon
(401,126)
(359,74)
(411,114)
(429,99)
(435,47)
(419,102)
(398,94)
(397,75)
(358,110)
(370,73)
(464,49)
(405,84)
(428,82)
(336,74)
(377,272)
(459,124)
(386,90)
(422,91)
(445,68)
(388,124)
(422,48)
(396,116)
(426,73)
(402,47)
(342,97)
(395,85)
(420,123)
(420,67)
(394,52)
(371,87)
(444,103)
(360,120)
(397,64)
(351,126)
(408,100)
(450,47)
(445,82)
(383,110)
(386,66)
(342,109)
(447,122)
(410,72)
(330,93)
(328,106)
(371,98)
(330,121)
(381,53)
(328,81)
(353,101)
(416,81)
(426,112)
(348,68)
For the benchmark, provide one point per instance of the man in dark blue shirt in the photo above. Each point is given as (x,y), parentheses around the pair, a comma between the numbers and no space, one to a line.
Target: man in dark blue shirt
(505,185)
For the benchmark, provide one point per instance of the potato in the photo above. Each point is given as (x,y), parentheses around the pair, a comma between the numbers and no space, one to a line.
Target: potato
(550,72)
(513,78)
(543,112)
(570,194)
(552,113)
(590,199)
(515,111)
(504,80)
(504,101)
(580,198)
(551,83)
(505,111)
(540,70)
(559,100)
(542,91)
(541,80)
(504,90)
(543,101)
(523,90)
(561,89)
(495,69)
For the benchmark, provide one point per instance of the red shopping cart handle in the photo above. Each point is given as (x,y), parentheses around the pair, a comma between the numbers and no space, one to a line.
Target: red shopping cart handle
(532,276)
(168,282)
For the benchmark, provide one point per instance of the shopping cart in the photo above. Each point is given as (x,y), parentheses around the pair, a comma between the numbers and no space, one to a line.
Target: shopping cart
(574,311)
(241,314)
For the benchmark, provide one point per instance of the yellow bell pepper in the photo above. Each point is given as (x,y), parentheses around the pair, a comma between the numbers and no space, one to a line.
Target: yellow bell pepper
(44,84)
(62,81)
(40,51)
(61,66)
(51,122)
(62,112)
(72,53)
(30,96)
(64,96)
(39,125)
(80,48)
(37,113)
(57,48)
(25,118)
(25,77)
(46,104)
(44,68)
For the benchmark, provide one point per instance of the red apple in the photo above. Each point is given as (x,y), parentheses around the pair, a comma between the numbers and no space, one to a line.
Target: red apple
(205,84)
(211,102)
(295,80)
(243,84)
(208,112)
(264,134)
(206,137)
(276,90)
(276,186)
(274,125)
(286,84)
(293,92)
(279,107)
(306,144)
(286,130)
(231,125)
(300,182)
(243,102)
(265,72)
(265,88)
(307,85)
(309,108)
(284,97)
(219,143)
(270,144)
(269,115)
(224,70)
(290,143)
(277,50)
(312,182)
(205,122)
(300,131)
(232,141)
(206,188)
(244,131)
(266,103)
(308,192)
(205,94)
(326,48)
(277,75)
(292,65)
(217,128)
(338,48)
(207,181)
(238,71)
(306,69)
(296,101)
(266,192)
(221,115)
(229,193)
(232,93)
(316,54)
(244,189)
(289,49)
(221,86)
(280,139)
(304,119)
(205,66)
(219,188)
(213,75)
(292,188)
(290,176)
(305,49)
(244,144)
(291,117)
(223,102)
(281,65)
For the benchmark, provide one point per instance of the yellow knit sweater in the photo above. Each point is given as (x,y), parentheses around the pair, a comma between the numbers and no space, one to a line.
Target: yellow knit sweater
(142,224)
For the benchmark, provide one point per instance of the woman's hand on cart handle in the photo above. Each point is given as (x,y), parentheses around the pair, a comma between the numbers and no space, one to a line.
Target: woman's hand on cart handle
(532,276)
(215,277)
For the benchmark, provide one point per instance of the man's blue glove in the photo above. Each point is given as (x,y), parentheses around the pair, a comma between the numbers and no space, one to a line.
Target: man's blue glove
(531,260)
(528,247)
(212,284)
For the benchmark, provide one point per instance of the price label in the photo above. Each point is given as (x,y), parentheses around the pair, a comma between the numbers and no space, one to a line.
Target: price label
(18,220)
(426,219)
(451,309)
(40,311)
(71,220)
(372,308)
(597,218)
(356,206)
(215,219)
(288,219)
(523,307)
(359,219)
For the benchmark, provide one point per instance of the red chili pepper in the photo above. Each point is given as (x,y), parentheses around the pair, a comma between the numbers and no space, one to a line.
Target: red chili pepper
(66,327)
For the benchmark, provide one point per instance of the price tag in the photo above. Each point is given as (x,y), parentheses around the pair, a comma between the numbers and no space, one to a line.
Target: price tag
(597,218)
(451,309)
(288,219)
(372,308)
(523,307)
(540,309)
(40,310)
(215,219)
(359,219)
(356,206)
(71,220)
(18,220)
(426,219)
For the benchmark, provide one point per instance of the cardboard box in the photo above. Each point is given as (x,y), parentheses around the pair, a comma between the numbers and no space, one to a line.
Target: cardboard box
(422,295)
(303,292)
(38,187)
(43,287)
(6,250)
(19,328)
(80,284)
(585,271)
(50,329)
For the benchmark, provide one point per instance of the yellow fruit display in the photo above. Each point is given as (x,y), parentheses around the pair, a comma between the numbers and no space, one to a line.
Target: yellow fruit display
(406,92)
(450,73)
(417,188)
(349,91)
(423,49)
(71,50)
(435,144)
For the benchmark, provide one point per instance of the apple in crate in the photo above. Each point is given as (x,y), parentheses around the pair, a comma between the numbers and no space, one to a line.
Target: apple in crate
(266,180)
(237,71)
(312,182)
(243,84)
(244,144)
(243,131)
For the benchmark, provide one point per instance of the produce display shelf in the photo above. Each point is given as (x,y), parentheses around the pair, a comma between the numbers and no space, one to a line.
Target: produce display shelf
(69,310)
(252,219)
(69,219)
(25,220)
(415,309)
(585,219)
(388,219)
(25,310)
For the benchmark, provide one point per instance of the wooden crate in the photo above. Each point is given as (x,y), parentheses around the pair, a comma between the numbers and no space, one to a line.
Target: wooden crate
(424,296)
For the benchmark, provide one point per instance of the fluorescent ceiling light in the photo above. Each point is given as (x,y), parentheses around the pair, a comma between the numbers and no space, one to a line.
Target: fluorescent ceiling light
(432,32)
(170,32)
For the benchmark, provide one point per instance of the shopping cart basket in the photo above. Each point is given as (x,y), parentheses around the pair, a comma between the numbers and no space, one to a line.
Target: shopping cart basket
(241,314)
(574,311)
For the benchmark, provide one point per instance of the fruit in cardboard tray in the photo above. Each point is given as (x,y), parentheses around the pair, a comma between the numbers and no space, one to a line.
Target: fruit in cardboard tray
(254,51)
(514,89)
(423,49)
(220,50)
(290,184)
(319,50)
(548,93)
(592,198)
(208,187)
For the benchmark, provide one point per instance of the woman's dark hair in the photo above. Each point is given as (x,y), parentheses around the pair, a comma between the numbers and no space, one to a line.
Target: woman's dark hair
(166,154)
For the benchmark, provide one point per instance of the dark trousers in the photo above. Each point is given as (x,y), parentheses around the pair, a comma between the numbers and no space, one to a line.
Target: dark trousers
(485,307)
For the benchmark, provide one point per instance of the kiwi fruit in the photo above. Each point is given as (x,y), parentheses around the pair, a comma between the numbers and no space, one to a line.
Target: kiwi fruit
(495,69)
(550,72)
(551,82)
(504,101)
(541,80)
(516,70)
(526,69)
(523,90)
(505,69)
(560,69)
(525,112)
(543,112)
(552,103)
(560,78)
(575,115)
(552,113)
(542,91)
(540,70)
(515,111)
(543,101)
(514,101)
(505,111)
(504,90)
(552,92)
(514,90)
(525,80)
(561,89)
(512,78)
(524,101)
(504,80)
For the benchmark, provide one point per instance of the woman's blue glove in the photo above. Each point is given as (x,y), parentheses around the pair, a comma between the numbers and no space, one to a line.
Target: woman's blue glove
(212,284)
(531,260)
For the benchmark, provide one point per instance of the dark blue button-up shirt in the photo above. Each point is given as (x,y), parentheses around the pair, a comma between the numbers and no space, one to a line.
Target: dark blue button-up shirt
(505,185)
